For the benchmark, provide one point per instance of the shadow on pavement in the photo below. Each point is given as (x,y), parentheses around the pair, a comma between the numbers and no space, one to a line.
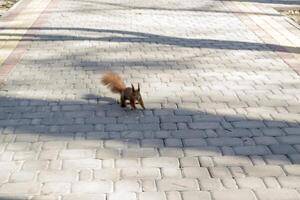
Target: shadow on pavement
(188,132)
(121,36)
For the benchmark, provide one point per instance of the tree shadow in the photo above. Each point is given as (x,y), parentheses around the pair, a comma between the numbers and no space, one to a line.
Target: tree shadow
(195,133)
(48,130)
(128,6)
(121,36)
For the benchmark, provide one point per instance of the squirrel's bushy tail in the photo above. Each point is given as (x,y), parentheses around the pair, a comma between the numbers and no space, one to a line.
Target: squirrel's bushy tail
(114,82)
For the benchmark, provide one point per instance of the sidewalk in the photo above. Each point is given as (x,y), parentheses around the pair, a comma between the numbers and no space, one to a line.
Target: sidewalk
(219,80)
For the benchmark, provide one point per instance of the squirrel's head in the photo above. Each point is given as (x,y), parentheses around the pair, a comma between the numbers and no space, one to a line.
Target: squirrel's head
(136,93)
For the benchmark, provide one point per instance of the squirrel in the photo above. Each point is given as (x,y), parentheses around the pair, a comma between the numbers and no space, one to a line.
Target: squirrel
(116,85)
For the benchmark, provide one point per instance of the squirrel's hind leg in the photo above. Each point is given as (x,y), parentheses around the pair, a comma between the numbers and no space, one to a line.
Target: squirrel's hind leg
(122,101)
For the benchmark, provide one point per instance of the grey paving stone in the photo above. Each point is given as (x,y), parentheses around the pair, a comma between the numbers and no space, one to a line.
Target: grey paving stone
(264,171)
(210,184)
(252,150)
(220,121)
(196,195)
(233,194)
(250,182)
(84,196)
(177,184)
(195,172)
(292,169)
(282,149)
(289,181)
(277,194)
(95,187)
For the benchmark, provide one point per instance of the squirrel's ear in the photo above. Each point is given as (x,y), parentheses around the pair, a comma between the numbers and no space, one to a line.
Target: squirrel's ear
(138,87)
(132,87)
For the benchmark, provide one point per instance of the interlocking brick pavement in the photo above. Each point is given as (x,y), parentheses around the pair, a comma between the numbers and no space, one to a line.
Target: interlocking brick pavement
(219,80)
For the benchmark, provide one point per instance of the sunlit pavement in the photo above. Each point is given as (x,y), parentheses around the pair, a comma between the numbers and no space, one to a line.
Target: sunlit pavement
(220,84)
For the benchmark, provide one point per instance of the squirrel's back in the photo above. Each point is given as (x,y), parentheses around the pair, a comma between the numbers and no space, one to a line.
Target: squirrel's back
(114,82)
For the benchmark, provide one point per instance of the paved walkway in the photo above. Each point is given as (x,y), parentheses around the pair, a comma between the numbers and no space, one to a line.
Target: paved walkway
(219,80)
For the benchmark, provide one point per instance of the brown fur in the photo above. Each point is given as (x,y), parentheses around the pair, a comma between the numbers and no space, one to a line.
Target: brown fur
(115,83)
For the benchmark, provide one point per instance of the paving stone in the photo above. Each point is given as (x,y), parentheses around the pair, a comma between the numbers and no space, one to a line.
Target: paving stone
(219,116)
(289,139)
(273,131)
(252,150)
(225,141)
(177,184)
(232,161)
(22,176)
(160,162)
(138,153)
(173,142)
(152,143)
(233,194)
(195,172)
(152,195)
(292,131)
(282,149)
(229,183)
(84,196)
(292,169)
(92,187)
(237,172)
(85,175)
(141,173)
(122,195)
(264,140)
(51,154)
(84,144)
(249,124)
(277,194)
(271,182)
(257,160)
(289,181)
(45,197)
(171,152)
(127,185)
(54,145)
(77,154)
(250,182)
(206,161)
(20,188)
(56,188)
(127,162)
(204,125)
(196,195)
(10,165)
(277,160)
(57,176)
(210,184)
(107,153)
(81,164)
(35,165)
(219,172)
(107,174)
(171,173)
(264,171)
(202,151)
(295,158)
(189,162)
(174,195)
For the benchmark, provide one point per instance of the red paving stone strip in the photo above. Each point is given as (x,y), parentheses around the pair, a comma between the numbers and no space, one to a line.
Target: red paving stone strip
(265,29)
(15,10)
(15,56)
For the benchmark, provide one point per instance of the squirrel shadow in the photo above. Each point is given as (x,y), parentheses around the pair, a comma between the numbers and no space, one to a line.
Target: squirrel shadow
(99,99)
